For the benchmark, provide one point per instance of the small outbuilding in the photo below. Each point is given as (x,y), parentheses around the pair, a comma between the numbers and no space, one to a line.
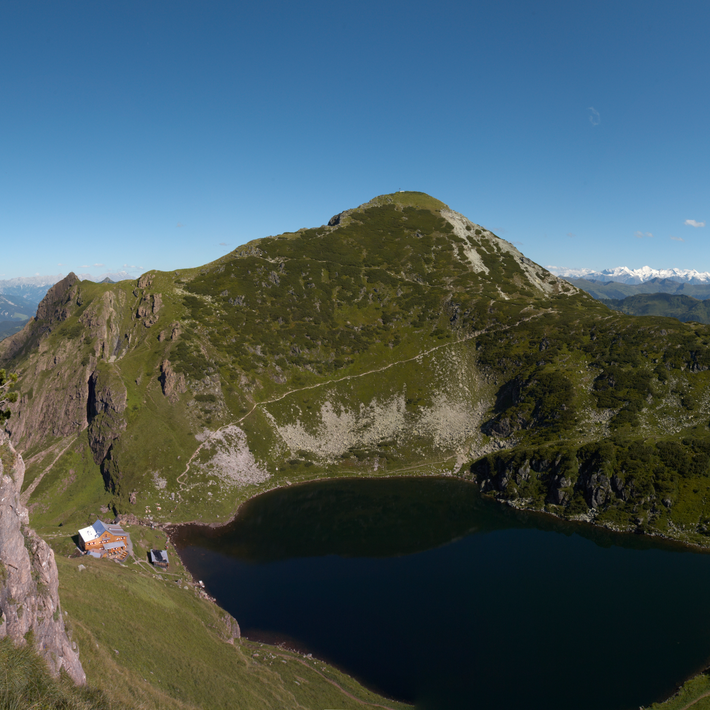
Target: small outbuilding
(159,558)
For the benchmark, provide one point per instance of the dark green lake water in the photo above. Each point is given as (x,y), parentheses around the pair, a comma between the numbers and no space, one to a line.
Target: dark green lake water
(429,594)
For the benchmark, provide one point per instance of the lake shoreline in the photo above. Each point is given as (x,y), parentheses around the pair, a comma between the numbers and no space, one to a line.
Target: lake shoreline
(655,539)
(170,528)
(585,528)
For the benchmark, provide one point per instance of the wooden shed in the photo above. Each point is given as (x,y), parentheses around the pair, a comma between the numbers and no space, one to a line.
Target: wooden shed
(159,558)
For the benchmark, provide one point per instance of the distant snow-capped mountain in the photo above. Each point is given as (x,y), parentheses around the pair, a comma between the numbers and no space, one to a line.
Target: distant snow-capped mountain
(624,275)
(34,288)
(31,288)
(29,281)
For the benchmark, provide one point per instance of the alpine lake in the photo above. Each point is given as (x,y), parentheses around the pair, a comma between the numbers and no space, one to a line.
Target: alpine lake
(430,594)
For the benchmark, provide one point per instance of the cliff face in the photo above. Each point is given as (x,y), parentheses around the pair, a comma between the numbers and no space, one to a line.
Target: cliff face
(69,393)
(106,404)
(29,585)
(56,403)
(56,306)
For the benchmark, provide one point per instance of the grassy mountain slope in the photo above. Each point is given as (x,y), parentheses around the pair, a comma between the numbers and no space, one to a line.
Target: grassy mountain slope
(399,338)
(605,290)
(9,327)
(25,682)
(684,308)
(176,650)
(322,352)
(165,647)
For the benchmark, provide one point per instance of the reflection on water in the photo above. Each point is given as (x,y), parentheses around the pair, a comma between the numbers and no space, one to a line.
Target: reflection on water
(430,594)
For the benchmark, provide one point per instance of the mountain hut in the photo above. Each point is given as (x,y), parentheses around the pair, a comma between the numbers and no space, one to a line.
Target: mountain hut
(104,540)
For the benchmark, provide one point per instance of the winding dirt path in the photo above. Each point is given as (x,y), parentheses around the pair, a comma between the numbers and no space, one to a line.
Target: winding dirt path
(25,497)
(327,383)
(696,700)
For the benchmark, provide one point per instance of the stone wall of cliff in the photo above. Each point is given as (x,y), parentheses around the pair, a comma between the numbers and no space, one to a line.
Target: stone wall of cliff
(29,583)
(105,408)
(56,404)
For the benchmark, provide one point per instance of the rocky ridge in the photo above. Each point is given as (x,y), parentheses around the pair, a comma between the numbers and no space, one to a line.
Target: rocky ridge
(30,611)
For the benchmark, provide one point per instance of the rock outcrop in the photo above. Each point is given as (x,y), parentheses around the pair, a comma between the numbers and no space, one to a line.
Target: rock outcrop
(105,407)
(102,323)
(29,584)
(577,480)
(55,306)
(148,309)
(66,402)
(173,383)
(145,281)
(58,406)
(54,309)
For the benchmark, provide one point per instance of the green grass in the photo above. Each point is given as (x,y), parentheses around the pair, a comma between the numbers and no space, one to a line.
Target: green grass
(71,493)
(694,694)
(38,462)
(410,199)
(151,643)
(7,458)
(26,684)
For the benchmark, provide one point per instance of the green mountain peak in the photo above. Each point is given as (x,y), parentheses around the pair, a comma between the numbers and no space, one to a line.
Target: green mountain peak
(406,198)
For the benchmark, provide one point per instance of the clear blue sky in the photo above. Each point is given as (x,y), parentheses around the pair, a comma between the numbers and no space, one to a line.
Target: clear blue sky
(162,134)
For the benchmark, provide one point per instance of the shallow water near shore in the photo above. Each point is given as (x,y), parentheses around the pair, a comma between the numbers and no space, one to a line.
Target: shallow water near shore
(429,594)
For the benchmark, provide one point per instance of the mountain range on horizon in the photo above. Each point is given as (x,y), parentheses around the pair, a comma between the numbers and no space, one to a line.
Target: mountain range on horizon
(20,296)
(34,288)
(623,274)
(51,279)
(25,286)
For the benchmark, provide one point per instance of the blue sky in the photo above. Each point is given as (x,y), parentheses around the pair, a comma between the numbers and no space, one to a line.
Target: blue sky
(164,134)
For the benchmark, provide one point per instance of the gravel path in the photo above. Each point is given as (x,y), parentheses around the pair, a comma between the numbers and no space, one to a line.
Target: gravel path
(328,383)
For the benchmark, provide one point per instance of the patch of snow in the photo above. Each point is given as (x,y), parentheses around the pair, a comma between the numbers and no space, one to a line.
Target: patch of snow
(623,274)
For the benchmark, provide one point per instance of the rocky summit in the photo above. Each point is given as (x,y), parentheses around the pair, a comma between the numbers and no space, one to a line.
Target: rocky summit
(397,338)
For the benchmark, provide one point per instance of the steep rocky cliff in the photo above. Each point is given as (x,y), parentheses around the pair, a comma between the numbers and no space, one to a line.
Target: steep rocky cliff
(55,403)
(29,596)
(106,404)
